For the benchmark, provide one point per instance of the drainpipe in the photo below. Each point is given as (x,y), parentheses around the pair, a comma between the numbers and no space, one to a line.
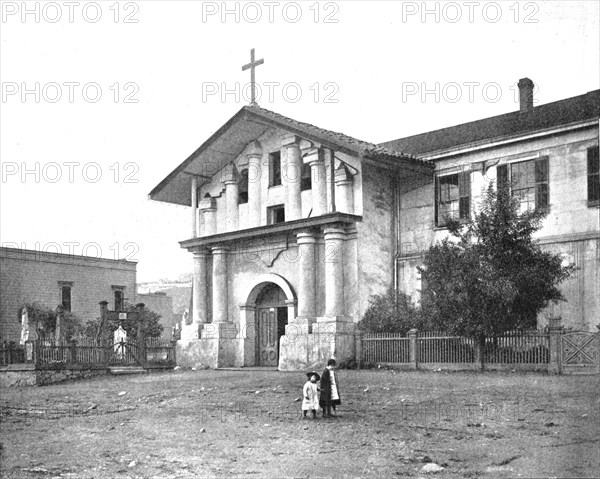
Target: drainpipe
(398,245)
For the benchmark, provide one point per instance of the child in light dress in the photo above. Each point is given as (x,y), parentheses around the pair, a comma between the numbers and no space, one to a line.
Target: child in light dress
(310,394)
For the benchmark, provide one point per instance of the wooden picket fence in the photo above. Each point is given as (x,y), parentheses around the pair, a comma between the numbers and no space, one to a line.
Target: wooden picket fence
(385,348)
(11,353)
(435,347)
(528,347)
(159,351)
(48,353)
(445,349)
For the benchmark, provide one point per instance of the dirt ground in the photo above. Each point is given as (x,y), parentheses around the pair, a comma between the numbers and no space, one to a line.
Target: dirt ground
(247,424)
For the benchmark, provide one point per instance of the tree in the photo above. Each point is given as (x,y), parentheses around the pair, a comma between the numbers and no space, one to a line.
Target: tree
(151,324)
(391,313)
(493,278)
(44,320)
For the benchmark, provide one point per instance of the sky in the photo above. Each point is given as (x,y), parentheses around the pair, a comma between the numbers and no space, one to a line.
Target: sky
(102,100)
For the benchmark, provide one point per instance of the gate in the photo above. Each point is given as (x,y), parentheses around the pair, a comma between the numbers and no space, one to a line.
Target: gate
(579,353)
(125,353)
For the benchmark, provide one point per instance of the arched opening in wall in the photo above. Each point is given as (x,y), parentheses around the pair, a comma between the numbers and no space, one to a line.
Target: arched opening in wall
(271,319)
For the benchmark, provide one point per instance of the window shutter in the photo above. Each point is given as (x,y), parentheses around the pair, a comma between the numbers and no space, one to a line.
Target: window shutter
(464,194)
(541,182)
(436,188)
(502,180)
(593,163)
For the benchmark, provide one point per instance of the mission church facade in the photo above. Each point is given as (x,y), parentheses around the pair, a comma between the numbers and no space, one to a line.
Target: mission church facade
(294,228)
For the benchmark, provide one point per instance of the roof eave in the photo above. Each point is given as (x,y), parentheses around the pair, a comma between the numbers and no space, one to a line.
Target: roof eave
(196,153)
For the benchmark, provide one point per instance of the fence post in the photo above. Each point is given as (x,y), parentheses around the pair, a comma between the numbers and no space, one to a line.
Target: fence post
(29,355)
(412,334)
(358,348)
(555,331)
(36,353)
(102,336)
(173,351)
(140,334)
(477,352)
(73,351)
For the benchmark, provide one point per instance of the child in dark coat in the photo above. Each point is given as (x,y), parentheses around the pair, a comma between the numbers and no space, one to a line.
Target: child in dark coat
(330,392)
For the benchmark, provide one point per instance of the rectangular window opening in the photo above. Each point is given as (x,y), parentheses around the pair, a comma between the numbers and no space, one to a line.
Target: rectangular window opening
(275,214)
(453,197)
(528,182)
(66,295)
(243,187)
(275,168)
(306,179)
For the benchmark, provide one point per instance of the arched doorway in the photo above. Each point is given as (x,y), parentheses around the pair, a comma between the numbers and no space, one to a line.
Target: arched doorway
(271,319)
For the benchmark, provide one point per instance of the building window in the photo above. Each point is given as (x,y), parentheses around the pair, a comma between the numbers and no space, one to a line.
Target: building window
(66,295)
(593,175)
(275,214)
(453,197)
(243,188)
(275,168)
(119,295)
(527,181)
(305,180)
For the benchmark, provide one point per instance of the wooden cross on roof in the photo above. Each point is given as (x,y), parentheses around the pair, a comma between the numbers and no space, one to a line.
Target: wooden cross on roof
(252,65)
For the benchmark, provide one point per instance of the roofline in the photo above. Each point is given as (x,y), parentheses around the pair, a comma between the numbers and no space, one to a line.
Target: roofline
(505,140)
(37,255)
(196,152)
(473,123)
(305,134)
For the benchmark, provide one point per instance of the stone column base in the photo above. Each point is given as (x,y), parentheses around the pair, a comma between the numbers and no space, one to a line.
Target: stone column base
(190,331)
(330,338)
(217,348)
(300,325)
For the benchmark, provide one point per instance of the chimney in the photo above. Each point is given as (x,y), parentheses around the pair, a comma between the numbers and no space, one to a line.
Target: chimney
(525,94)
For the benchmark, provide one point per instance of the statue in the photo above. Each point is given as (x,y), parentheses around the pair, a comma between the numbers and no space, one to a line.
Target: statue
(28,334)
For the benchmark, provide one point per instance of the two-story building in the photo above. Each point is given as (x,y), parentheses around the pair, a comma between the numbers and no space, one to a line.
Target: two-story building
(76,283)
(294,227)
(548,155)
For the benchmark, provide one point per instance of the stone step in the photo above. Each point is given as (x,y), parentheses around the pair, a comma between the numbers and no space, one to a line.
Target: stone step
(127,370)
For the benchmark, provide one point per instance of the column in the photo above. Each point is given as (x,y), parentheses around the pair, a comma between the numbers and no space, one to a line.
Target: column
(255,174)
(230,180)
(315,159)
(208,207)
(306,286)
(219,282)
(334,271)
(194,203)
(291,176)
(200,298)
(329,159)
(345,190)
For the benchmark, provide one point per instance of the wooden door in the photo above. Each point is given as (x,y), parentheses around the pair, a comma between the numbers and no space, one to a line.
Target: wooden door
(268,343)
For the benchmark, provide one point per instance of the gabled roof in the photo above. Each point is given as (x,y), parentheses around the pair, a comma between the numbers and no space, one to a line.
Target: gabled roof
(248,124)
(354,145)
(556,114)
